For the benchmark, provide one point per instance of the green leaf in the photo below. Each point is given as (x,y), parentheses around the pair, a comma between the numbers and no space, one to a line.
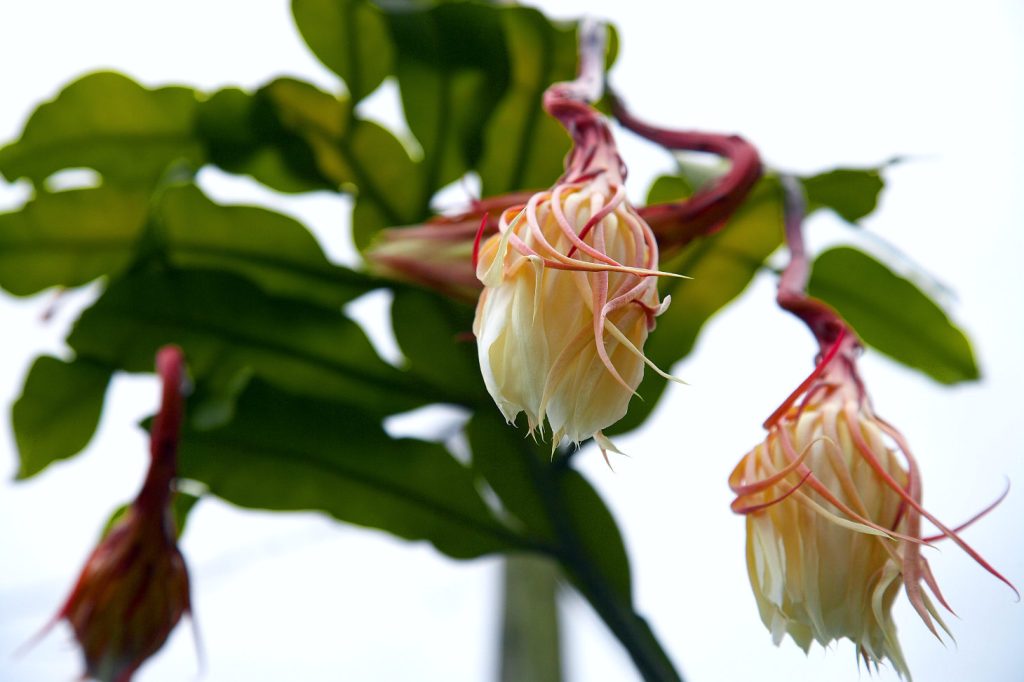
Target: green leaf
(555,504)
(384,173)
(452,70)
(287,453)
(317,118)
(245,133)
(599,543)
(348,154)
(722,266)
(524,148)
(69,238)
(110,123)
(850,192)
(512,470)
(350,37)
(435,334)
(269,249)
(58,411)
(226,326)
(668,188)
(891,314)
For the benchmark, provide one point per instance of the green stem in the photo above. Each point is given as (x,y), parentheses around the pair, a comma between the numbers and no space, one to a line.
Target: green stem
(529,634)
(650,659)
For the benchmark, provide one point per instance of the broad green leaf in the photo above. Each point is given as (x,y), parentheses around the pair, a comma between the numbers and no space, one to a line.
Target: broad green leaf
(317,118)
(69,238)
(58,411)
(244,133)
(891,314)
(387,182)
(598,542)
(524,147)
(722,266)
(436,335)
(452,70)
(349,154)
(287,453)
(554,502)
(181,505)
(512,469)
(350,37)
(110,123)
(226,325)
(851,192)
(384,173)
(269,249)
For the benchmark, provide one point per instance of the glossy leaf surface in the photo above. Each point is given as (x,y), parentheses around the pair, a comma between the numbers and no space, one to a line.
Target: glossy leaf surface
(891,314)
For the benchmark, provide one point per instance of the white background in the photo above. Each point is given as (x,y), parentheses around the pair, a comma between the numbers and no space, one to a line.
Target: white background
(814,85)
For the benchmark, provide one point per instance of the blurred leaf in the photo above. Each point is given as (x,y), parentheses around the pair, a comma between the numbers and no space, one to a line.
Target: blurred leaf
(226,325)
(554,502)
(269,249)
(69,238)
(244,133)
(110,123)
(452,70)
(722,266)
(325,145)
(384,173)
(350,37)
(287,453)
(891,314)
(668,188)
(317,118)
(598,541)
(58,411)
(524,148)
(511,470)
(851,192)
(436,335)
(181,505)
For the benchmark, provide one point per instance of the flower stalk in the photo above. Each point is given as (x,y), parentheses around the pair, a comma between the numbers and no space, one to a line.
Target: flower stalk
(677,224)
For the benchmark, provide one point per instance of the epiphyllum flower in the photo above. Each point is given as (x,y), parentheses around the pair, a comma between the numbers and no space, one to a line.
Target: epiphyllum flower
(833,505)
(569,291)
(134,587)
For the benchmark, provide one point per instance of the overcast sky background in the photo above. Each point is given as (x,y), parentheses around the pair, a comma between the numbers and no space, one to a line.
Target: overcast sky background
(814,85)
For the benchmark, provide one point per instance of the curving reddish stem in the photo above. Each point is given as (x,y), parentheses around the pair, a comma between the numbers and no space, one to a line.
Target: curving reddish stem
(676,224)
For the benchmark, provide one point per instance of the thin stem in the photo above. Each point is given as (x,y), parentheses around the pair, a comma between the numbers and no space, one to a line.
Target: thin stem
(651,661)
(676,224)
(166,431)
(593,149)
(824,322)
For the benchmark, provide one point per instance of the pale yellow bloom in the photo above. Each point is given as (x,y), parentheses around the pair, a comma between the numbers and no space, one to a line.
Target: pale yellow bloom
(832,499)
(569,297)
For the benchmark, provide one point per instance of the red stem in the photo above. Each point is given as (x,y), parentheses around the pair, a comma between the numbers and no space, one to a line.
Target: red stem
(166,429)
(824,322)
(676,224)
(593,149)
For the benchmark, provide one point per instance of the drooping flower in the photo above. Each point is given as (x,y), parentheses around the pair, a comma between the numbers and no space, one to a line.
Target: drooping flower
(134,588)
(832,500)
(570,292)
